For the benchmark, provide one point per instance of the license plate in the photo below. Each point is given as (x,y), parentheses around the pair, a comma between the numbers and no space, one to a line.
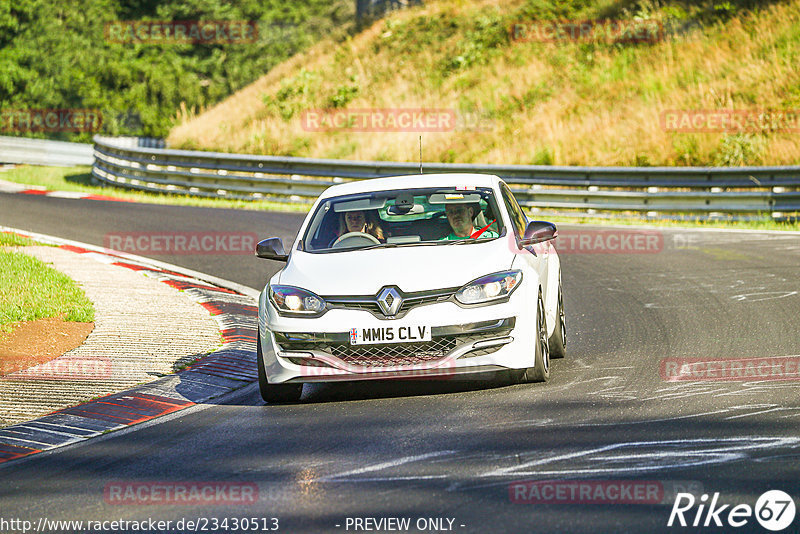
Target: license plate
(389,334)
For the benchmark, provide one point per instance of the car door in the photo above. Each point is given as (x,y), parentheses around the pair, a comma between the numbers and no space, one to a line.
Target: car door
(533,257)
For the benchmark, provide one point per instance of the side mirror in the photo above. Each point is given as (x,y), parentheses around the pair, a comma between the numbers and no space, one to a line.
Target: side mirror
(538,232)
(271,249)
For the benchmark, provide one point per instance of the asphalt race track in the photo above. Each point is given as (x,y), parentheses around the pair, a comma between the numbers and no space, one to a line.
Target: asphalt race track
(453,451)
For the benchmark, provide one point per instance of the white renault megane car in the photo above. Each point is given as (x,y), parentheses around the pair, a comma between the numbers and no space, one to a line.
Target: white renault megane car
(429,276)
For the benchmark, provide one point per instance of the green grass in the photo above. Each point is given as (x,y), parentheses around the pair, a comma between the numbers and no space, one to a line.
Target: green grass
(7,239)
(31,290)
(80,179)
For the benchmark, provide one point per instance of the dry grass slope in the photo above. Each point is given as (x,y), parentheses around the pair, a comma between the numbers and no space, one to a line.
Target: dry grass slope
(539,103)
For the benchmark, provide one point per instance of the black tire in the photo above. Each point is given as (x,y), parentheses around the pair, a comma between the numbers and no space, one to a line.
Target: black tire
(558,341)
(272,393)
(540,371)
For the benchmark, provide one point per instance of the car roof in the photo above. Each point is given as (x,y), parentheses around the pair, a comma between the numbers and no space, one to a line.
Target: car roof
(416,181)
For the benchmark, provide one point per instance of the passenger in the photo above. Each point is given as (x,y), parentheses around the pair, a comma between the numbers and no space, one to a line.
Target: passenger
(361,221)
(461,218)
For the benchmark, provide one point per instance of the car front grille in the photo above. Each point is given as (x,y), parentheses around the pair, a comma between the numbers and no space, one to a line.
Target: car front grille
(390,355)
(395,354)
(370,304)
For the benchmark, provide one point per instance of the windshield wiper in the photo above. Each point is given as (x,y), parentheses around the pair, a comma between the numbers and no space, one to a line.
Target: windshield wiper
(395,245)
(460,241)
(418,243)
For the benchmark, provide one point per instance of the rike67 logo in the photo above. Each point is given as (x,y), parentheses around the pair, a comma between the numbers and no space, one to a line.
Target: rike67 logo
(774,510)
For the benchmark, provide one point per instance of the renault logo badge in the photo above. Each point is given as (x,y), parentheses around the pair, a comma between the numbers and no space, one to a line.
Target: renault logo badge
(389,301)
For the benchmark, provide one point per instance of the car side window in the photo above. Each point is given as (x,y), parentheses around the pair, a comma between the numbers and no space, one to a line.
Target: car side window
(518,219)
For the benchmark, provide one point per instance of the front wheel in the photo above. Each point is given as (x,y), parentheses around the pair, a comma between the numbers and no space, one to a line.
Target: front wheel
(558,341)
(540,371)
(272,393)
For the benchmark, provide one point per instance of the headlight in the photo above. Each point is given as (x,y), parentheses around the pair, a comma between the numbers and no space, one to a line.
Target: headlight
(293,300)
(490,287)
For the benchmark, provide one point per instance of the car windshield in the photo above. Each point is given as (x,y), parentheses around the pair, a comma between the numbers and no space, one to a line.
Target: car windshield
(409,217)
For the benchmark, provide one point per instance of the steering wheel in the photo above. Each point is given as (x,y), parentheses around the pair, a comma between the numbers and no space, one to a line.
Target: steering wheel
(352,239)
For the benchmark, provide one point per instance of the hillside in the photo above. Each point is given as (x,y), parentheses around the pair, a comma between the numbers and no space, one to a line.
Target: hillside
(595,101)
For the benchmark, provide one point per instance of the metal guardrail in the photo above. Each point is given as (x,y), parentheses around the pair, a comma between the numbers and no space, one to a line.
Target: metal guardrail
(698,190)
(44,152)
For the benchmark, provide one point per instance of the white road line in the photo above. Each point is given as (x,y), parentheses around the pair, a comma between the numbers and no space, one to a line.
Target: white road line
(728,449)
(389,479)
(385,465)
(773,409)
(547,422)
(67,194)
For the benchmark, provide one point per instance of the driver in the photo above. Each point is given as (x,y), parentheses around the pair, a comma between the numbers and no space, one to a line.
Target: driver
(360,221)
(461,218)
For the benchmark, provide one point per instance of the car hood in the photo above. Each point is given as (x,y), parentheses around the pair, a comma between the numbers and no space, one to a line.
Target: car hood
(415,268)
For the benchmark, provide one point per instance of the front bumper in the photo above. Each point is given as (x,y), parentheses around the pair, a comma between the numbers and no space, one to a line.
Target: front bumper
(463,341)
